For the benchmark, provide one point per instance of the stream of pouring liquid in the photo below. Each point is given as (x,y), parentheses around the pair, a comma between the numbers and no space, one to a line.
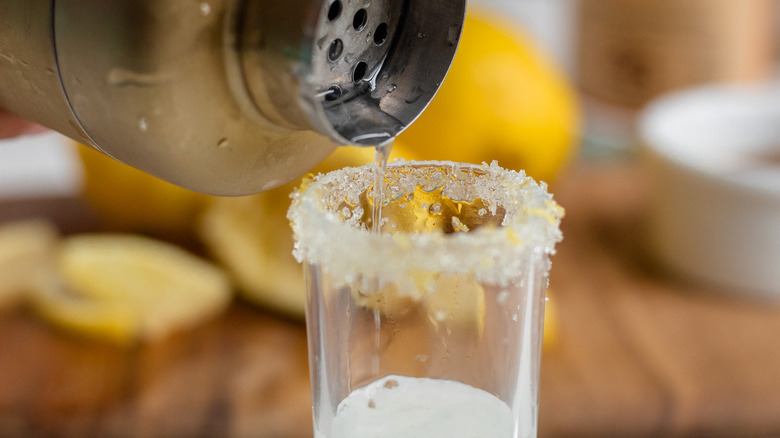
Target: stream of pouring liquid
(381,155)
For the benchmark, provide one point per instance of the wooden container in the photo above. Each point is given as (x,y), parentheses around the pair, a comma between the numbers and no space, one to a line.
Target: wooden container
(633,50)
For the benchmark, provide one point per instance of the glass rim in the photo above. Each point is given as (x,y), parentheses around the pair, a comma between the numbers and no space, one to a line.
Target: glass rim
(494,255)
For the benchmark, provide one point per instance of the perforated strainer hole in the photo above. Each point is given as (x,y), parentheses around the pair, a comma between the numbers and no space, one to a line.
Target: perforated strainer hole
(333,93)
(335,49)
(380,34)
(335,10)
(360,71)
(360,19)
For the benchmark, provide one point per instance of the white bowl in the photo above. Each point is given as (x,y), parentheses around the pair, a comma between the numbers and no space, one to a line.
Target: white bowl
(714,154)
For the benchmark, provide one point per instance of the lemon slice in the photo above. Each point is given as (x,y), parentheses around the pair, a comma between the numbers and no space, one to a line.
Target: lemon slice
(26,248)
(250,236)
(104,320)
(123,287)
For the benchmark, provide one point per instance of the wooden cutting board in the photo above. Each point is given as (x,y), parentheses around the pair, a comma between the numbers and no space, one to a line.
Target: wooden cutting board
(642,353)
(638,352)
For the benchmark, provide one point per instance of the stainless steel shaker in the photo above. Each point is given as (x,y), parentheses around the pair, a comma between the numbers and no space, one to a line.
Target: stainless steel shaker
(226,97)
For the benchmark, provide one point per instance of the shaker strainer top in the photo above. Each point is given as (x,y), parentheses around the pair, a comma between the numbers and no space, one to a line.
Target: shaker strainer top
(350,47)
(360,71)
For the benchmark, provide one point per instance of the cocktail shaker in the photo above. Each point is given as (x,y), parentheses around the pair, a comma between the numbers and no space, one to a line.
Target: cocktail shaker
(227,97)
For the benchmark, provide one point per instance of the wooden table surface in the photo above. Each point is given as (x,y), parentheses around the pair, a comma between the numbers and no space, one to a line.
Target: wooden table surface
(638,352)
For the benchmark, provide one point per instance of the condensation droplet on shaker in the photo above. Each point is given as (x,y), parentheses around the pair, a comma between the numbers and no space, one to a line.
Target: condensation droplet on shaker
(414,95)
(452,35)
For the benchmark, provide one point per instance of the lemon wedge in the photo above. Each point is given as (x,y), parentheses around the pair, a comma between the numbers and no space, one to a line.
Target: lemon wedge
(251,237)
(123,287)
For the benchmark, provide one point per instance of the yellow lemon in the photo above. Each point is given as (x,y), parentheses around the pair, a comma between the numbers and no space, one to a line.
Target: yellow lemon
(130,200)
(504,100)
(127,199)
(251,237)
(457,302)
(124,287)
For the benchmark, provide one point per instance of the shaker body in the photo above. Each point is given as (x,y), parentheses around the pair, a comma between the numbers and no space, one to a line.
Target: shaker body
(146,83)
(227,97)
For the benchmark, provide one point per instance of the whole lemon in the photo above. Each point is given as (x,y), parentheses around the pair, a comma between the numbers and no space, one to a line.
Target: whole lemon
(127,199)
(504,100)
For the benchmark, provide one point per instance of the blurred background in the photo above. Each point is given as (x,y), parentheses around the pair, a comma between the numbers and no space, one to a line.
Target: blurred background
(656,124)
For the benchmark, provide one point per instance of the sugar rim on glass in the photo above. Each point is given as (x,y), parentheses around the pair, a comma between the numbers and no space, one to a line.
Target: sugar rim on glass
(493,255)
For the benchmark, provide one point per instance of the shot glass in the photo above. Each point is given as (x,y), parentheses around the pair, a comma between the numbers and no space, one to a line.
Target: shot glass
(431,327)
